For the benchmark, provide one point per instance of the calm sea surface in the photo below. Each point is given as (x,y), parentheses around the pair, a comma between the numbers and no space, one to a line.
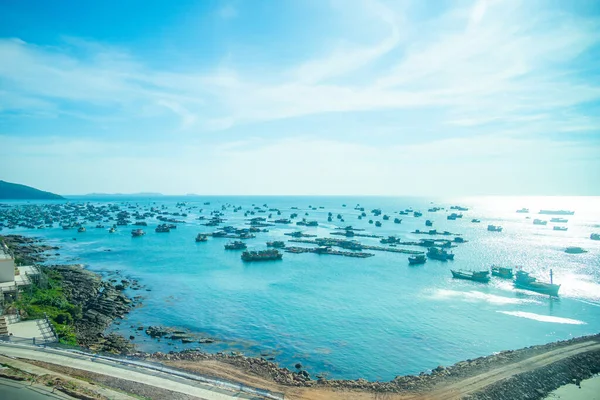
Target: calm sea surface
(374,318)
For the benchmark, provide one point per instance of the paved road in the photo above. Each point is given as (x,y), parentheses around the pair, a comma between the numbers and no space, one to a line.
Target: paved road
(12,390)
(117,370)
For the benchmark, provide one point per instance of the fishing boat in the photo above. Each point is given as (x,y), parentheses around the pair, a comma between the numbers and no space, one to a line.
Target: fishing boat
(237,245)
(524,281)
(439,254)
(502,272)
(475,220)
(523,210)
(162,228)
(559,220)
(418,214)
(201,238)
(278,244)
(418,259)
(137,233)
(262,255)
(575,250)
(477,276)
(494,228)
(560,228)
(539,222)
(428,223)
(557,212)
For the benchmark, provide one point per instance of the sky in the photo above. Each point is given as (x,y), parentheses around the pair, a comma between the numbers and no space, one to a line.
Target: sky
(303,97)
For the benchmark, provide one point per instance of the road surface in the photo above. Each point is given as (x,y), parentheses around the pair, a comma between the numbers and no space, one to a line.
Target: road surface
(118,370)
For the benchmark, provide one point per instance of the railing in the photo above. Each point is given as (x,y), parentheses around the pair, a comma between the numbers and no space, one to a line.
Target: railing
(219,383)
(22,340)
(51,326)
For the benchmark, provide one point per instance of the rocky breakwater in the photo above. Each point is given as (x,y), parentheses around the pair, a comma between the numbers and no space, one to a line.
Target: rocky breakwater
(533,384)
(101,302)
(252,365)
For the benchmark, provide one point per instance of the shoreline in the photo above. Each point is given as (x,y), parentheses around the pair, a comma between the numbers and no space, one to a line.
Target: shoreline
(98,315)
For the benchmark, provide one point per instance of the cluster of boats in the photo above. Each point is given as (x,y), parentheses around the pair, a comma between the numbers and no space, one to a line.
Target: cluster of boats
(522,280)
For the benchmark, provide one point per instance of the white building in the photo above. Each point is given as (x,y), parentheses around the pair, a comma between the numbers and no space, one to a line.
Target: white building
(7,266)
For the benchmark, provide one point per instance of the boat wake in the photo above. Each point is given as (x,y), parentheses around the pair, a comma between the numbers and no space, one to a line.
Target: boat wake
(543,318)
(474,296)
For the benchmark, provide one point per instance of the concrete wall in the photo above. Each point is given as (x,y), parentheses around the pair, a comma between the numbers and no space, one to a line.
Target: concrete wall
(7,268)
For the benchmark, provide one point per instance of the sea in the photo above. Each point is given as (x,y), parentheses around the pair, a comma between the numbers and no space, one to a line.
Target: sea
(373,318)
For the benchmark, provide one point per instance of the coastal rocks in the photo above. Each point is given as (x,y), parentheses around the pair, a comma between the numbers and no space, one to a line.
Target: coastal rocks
(101,302)
(158,332)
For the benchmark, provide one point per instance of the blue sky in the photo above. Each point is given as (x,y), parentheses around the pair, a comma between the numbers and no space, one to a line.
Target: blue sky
(302,97)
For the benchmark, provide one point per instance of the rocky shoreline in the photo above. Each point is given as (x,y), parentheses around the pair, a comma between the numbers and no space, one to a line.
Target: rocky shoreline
(101,301)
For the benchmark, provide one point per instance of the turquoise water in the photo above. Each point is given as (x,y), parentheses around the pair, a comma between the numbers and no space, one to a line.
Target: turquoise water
(374,318)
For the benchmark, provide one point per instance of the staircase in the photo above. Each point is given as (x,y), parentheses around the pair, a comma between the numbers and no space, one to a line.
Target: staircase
(3,327)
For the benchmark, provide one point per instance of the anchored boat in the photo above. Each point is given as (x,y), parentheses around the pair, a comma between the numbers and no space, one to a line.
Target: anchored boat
(262,255)
(418,259)
(477,276)
(439,254)
(237,245)
(524,281)
(502,272)
(494,228)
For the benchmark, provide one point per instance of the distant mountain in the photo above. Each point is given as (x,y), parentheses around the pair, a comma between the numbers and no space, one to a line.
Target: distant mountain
(14,191)
(149,194)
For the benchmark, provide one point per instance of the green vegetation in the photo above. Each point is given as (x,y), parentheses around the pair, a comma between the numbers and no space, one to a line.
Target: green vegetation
(50,300)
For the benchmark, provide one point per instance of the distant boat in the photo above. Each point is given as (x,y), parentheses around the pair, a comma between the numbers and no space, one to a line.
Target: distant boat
(137,233)
(262,255)
(428,223)
(502,272)
(201,238)
(439,254)
(575,250)
(595,236)
(539,222)
(557,212)
(494,228)
(418,214)
(418,259)
(81,229)
(278,244)
(163,228)
(237,245)
(559,220)
(477,276)
(523,211)
(524,281)
(112,230)
(560,228)
(475,220)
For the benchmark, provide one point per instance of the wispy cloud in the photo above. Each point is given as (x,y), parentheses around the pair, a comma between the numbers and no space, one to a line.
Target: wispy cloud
(503,78)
